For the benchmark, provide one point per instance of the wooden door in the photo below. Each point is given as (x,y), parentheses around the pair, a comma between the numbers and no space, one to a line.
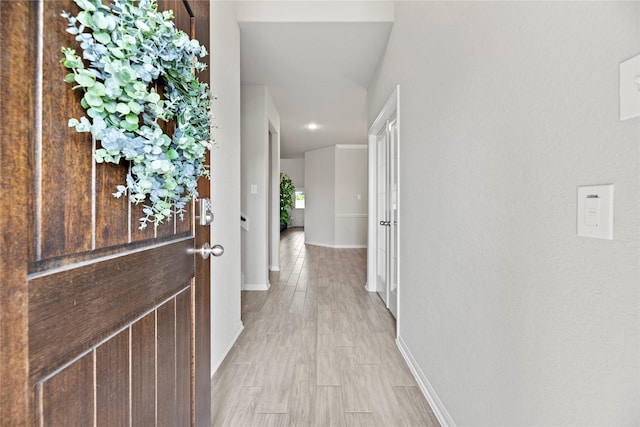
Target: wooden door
(100,323)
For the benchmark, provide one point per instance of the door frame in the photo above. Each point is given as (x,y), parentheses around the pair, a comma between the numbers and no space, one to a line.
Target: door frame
(391,107)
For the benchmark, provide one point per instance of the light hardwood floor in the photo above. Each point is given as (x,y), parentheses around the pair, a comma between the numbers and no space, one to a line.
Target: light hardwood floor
(317,350)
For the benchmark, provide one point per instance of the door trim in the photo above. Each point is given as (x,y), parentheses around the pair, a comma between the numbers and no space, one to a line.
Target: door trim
(391,107)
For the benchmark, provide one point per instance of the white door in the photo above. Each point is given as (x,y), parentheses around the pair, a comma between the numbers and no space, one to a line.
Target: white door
(387,214)
(382,231)
(383,273)
(392,208)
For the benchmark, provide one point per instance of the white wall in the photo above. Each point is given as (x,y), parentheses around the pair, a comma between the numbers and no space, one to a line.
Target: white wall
(258,117)
(506,108)
(295,169)
(319,179)
(225,184)
(315,11)
(351,196)
(334,178)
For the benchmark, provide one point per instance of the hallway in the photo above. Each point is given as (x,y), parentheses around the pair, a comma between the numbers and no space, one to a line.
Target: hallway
(317,349)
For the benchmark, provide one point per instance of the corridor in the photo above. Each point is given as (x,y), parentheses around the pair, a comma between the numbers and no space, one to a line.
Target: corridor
(317,350)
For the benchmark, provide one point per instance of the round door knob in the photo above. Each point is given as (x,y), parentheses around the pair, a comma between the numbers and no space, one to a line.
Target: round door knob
(217,250)
(206,250)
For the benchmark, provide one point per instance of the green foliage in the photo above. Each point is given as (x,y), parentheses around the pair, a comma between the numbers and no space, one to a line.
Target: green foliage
(286,198)
(130,47)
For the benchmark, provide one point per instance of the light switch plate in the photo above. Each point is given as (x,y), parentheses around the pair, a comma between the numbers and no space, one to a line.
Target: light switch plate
(595,211)
(630,88)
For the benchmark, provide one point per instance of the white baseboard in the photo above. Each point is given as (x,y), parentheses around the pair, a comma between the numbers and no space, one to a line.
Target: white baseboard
(256,287)
(274,268)
(437,406)
(366,286)
(216,364)
(324,245)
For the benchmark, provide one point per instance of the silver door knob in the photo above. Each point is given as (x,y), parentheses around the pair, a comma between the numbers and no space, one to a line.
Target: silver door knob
(206,250)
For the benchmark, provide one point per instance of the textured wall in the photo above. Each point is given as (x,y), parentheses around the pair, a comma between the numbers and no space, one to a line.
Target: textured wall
(507,107)
(258,115)
(295,169)
(319,178)
(351,196)
(225,187)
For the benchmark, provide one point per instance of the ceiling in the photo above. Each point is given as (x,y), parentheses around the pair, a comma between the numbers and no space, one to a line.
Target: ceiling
(316,72)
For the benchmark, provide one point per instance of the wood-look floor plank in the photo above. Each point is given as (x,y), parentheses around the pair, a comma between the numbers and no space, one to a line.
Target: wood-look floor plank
(302,399)
(361,419)
(271,420)
(242,409)
(226,391)
(328,361)
(413,407)
(355,391)
(274,398)
(329,409)
(317,350)
(325,319)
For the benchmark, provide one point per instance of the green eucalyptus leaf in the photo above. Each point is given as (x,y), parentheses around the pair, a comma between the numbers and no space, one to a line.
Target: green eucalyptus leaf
(124,109)
(134,107)
(129,126)
(141,24)
(86,5)
(94,112)
(153,98)
(99,155)
(92,100)
(172,154)
(85,18)
(102,37)
(85,79)
(97,89)
(110,106)
(101,21)
(132,118)
(117,52)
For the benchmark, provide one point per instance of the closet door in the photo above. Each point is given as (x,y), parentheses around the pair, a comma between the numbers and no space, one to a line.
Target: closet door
(382,214)
(387,214)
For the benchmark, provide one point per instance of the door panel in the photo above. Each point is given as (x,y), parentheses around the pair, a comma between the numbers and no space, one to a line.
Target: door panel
(66,399)
(392,207)
(387,214)
(100,322)
(112,381)
(143,371)
(382,216)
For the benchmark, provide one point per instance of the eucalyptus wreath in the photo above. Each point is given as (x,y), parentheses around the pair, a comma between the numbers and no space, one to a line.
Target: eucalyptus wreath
(131,50)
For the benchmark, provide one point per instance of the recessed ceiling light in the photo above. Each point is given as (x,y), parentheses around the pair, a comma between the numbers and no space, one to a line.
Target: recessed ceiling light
(312,126)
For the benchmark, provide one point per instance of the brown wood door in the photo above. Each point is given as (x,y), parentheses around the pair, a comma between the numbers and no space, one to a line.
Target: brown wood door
(100,323)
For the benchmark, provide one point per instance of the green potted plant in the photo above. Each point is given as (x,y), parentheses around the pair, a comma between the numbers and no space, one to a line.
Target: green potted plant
(287,190)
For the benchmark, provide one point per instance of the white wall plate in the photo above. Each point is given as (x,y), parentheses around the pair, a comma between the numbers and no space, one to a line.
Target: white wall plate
(595,211)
